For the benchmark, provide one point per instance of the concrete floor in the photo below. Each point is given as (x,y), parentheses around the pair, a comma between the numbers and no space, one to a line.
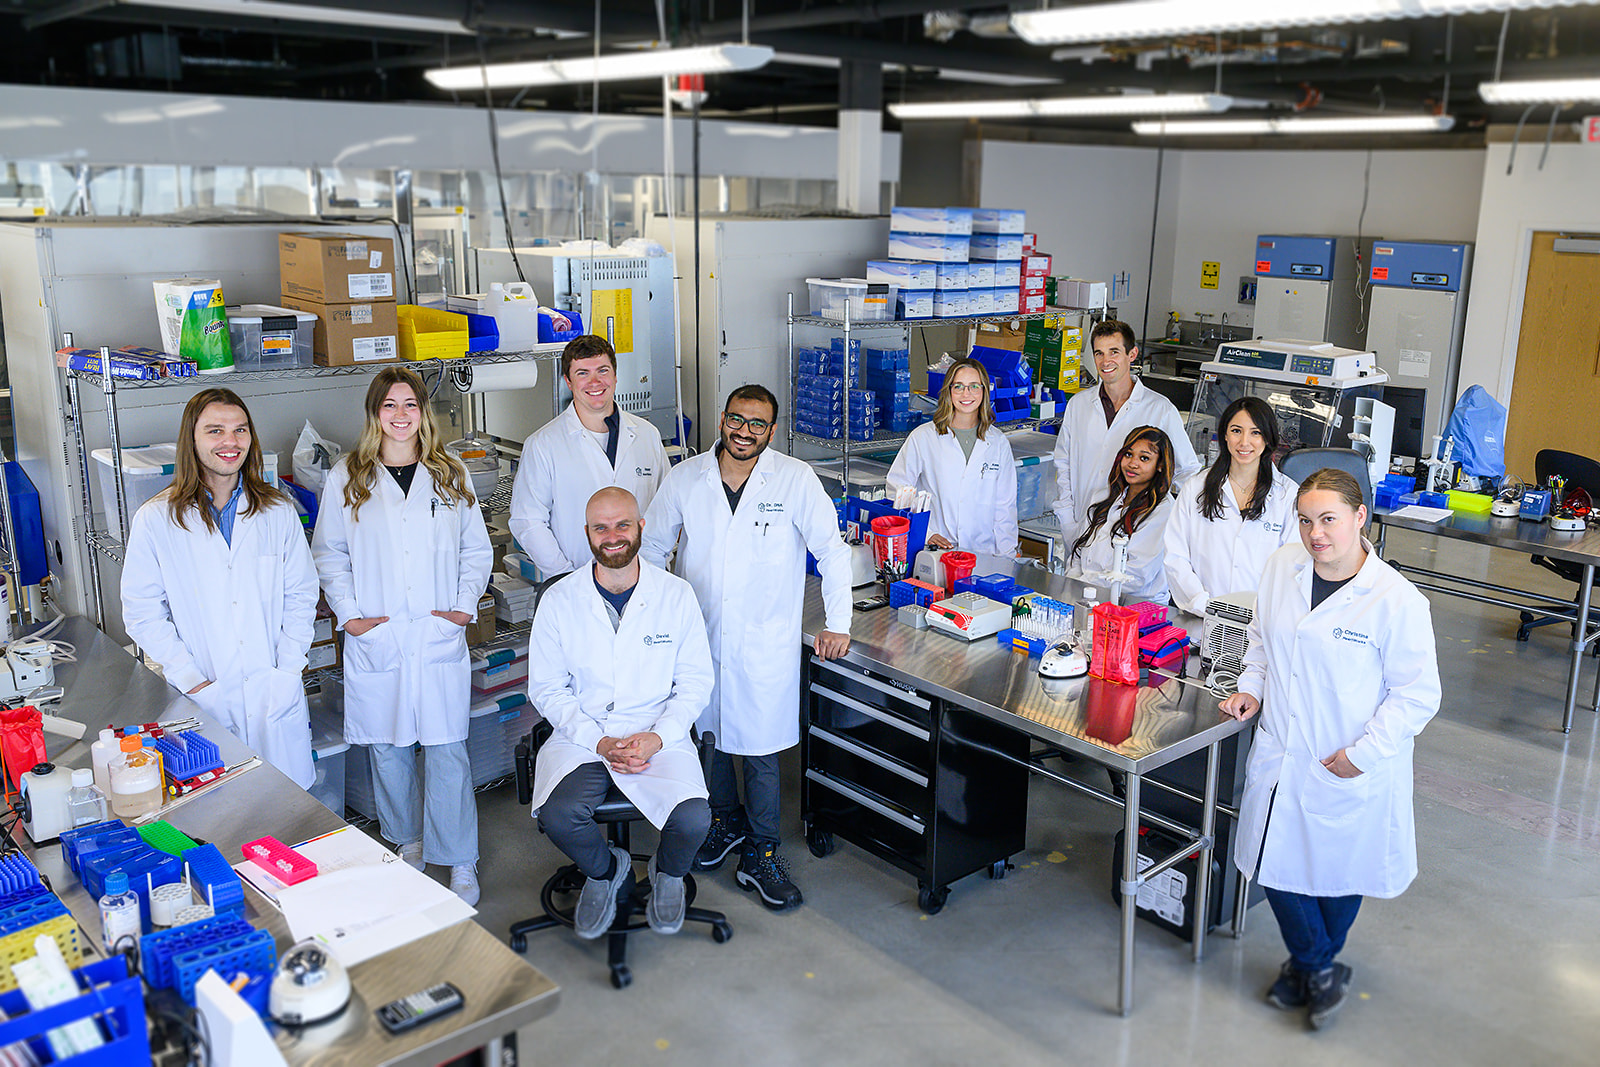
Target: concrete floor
(1493,956)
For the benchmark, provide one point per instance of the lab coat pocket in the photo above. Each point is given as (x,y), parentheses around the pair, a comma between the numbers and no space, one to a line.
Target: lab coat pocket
(372,652)
(443,641)
(1333,799)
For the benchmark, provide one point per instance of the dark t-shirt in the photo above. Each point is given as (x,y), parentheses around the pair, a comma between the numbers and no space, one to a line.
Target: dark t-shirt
(403,476)
(1322,589)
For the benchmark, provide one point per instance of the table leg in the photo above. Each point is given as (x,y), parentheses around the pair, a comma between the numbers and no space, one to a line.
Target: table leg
(1379,532)
(1130,890)
(1585,587)
(1208,824)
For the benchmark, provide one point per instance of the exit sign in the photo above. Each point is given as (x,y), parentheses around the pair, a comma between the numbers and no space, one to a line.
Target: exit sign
(1591,129)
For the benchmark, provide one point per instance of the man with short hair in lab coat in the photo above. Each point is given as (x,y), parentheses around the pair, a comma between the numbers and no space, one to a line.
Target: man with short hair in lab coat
(748,516)
(593,443)
(218,586)
(618,664)
(1098,420)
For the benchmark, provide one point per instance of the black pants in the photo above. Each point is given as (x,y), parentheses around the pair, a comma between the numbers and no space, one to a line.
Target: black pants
(760,792)
(567,816)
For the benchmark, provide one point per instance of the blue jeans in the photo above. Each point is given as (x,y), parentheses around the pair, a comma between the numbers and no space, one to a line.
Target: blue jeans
(1313,928)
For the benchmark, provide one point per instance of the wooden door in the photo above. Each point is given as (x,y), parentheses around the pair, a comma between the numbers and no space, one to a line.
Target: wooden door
(1555,393)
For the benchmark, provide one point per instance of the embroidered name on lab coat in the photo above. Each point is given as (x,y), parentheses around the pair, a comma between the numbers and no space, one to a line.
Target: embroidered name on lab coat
(657,639)
(643,472)
(1353,636)
(770,507)
(988,468)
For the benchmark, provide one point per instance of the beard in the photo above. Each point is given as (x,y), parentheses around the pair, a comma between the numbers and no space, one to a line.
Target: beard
(617,558)
(728,446)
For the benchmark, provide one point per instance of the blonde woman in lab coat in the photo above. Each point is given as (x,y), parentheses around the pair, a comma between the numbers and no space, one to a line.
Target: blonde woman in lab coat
(404,556)
(965,462)
(1229,520)
(1343,669)
(1136,507)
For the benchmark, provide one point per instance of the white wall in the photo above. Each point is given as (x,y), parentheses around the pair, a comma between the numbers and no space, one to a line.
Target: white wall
(1562,196)
(1227,199)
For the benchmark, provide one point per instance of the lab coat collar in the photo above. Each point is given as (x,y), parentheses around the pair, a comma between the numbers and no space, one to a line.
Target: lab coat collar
(574,425)
(643,593)
(759,474)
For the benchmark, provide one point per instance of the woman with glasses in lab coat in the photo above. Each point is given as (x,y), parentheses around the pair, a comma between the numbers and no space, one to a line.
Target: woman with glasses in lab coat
(963,460)
(404,556)
(1134,511)
(1342,667)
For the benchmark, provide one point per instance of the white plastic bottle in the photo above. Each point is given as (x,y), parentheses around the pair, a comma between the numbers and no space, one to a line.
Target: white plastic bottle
(119,912)
(101,753)
(85,803)
(136,786)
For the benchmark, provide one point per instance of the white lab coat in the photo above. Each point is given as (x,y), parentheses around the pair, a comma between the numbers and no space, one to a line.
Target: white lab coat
(562,467)
(1210,557)
(239,616)
(652,674)
(408,679)
(1144,555)
(749,571)
(1086,447)
(974,500)
(1360,672)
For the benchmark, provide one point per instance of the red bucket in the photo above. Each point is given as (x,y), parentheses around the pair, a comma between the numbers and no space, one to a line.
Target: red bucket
(957,565)
(889,535)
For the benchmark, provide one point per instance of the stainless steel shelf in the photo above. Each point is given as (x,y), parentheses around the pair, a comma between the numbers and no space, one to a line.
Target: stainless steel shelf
(896,324)
(107,546)
(838,444)
(476,359)
(499,501)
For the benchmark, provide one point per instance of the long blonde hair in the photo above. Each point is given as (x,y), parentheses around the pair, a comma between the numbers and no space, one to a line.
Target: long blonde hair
(188,490)
(947,409)
(362,465)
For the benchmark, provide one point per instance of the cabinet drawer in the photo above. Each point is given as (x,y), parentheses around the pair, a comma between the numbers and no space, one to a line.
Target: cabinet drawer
(865,819)
(840,677)
(872,727)
(843,759)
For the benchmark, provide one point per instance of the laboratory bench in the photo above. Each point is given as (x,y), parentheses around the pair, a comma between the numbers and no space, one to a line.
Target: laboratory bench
(918,747)
(502,992)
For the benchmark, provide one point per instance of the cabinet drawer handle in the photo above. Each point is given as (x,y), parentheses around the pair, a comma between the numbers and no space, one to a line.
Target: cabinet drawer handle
(871,712)
(864,800)
(870,756)
(867,679)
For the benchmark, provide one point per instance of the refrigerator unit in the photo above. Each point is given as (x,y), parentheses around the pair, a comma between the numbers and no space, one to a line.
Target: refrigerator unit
(1306,289)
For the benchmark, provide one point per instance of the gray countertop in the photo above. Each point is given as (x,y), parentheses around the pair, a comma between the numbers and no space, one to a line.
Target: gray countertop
(1518,535)
(1126,728)
(501,991)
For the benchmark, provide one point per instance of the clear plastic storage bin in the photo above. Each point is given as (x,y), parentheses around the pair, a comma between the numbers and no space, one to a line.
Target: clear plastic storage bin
(865,301)
(266,337)
(145,472)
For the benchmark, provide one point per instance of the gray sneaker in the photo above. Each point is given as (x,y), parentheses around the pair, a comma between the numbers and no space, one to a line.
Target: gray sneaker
(668,901)
(597,903)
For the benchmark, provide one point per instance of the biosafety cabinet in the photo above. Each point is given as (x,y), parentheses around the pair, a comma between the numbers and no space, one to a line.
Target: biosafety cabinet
(1417,316)
(1307,289)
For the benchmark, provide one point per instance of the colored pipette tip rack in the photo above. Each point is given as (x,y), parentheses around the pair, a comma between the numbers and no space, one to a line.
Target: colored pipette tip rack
(214,881)
(279,860)
(187,754)
(18,877)
(166,837)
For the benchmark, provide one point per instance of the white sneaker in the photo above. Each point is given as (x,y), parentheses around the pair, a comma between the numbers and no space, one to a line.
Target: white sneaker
(464,882)
(412,854)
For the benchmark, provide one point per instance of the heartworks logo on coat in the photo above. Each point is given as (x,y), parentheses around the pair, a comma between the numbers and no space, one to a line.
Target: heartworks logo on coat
(643,472)
(658,639)
(1355,637)
(770,507)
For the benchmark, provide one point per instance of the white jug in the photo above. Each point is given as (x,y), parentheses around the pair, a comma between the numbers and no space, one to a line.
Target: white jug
(516,313)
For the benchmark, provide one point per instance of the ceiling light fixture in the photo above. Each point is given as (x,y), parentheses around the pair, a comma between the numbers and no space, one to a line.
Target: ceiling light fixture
(1066,106)
(1547,91)
(1141,19)
(1339,124)
(344,16)
(628,66)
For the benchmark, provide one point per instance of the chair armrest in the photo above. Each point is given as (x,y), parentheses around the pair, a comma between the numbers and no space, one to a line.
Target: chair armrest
(707,746)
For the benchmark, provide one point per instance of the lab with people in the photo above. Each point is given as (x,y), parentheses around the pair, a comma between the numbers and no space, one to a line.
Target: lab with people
(799,533)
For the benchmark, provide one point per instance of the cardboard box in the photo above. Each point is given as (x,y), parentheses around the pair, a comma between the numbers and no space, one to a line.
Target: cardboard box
(1004,336)
(1030,242)
(335,268)
(350,334)
(1034,264)
(481,630)
(1032,303)
(1035,283)
(1054,350)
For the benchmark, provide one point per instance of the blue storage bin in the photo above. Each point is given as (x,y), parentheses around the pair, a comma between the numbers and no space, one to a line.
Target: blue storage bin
(109,996)
(549,335)
(483,332)
(858,515)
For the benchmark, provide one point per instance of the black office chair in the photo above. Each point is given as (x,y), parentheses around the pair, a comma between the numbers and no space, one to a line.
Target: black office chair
(617,814)
(1580,472)
(1302,463)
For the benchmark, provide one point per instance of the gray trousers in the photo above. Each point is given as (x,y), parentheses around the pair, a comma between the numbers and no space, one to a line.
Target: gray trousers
(442,813)
(761,798)
(567,816)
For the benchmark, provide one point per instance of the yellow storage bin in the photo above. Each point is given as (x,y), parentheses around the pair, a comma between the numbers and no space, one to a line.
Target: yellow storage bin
(1470,503)
(428,333)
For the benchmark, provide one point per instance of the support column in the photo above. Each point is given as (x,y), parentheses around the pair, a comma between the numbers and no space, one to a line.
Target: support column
(860,136)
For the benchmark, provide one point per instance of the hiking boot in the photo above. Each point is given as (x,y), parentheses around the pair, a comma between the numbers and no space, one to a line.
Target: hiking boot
(763,870)
(1327,991)
(726,834)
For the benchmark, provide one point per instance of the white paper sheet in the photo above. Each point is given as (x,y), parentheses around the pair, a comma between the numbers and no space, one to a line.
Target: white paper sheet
(1417,511)
(333,851)
(362,911)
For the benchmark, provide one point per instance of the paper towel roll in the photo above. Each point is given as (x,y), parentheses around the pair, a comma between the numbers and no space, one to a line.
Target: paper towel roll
(494,377)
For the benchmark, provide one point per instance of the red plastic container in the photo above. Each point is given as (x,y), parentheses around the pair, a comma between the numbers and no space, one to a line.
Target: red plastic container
(889,534)
(957,565)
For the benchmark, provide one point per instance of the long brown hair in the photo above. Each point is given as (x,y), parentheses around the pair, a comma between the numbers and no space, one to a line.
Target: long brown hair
(947,409)
(362,464)
(1145,501)
(188,490)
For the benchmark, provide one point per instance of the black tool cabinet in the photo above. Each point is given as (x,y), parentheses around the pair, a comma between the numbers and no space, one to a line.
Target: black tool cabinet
(912,779)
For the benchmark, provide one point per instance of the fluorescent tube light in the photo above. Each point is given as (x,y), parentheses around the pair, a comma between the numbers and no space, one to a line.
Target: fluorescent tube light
(344,16)
(1340,124)
(1140,19)
(1547,91)
(651,63)
(1066,106)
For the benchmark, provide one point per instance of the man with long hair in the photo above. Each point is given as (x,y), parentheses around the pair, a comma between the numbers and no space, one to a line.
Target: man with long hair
(218,585)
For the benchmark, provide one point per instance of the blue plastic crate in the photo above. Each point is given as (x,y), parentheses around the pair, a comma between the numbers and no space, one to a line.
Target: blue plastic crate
(483,332)
(858,516)
(187,754)
(549,335)
(253,954)
(158,950)
(214,880)
(108,996)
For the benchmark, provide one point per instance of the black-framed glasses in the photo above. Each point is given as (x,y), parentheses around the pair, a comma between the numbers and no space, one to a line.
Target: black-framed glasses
(739,422)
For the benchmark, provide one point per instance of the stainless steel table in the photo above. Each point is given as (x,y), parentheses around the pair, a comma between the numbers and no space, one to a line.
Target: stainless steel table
(502,992)
(1515,535)
(1134,730)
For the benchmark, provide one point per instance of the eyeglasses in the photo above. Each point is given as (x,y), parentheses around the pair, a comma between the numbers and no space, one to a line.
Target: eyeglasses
(966,387)
(739,422)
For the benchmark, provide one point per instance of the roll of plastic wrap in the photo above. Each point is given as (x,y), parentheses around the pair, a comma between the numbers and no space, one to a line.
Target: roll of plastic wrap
(494,377)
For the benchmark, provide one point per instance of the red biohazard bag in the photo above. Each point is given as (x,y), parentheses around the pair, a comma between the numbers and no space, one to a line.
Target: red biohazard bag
(21,741)
(1114,652)
(1108,710)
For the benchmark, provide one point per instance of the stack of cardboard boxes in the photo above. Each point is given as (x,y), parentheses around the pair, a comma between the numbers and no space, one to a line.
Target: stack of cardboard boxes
(347,282)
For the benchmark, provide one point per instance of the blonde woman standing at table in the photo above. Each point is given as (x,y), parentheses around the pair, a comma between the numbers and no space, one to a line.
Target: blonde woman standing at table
(1343,669)
(1136,507)
(404,556)
(965,462)
(1230,519)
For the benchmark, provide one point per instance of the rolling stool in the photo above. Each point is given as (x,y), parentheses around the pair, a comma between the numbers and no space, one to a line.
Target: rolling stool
(617,814)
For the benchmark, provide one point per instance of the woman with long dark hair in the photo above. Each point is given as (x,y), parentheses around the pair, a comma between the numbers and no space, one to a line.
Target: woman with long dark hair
(1136,509)
(404,556)
(1230,519)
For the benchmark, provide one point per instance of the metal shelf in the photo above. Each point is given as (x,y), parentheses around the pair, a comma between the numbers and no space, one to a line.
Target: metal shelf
(106,545)
(475,359)
(499,501)
(885,440)
(897,324)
